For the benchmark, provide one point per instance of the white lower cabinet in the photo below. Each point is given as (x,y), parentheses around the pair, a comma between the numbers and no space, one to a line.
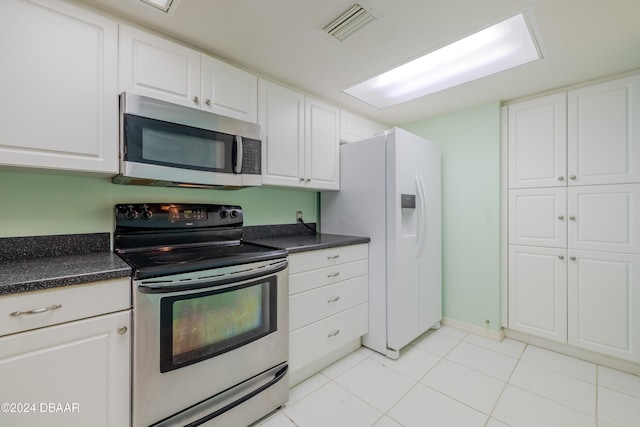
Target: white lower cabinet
(328,306)
(538,291)
(75,373)
(604,303)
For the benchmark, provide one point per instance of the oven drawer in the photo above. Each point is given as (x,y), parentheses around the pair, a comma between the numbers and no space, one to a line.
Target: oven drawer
(40,308)
(308,307)
(304,261)
(313,341)
(313,279)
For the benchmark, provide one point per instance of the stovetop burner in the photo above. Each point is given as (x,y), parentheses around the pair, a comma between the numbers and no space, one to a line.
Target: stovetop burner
(164,239)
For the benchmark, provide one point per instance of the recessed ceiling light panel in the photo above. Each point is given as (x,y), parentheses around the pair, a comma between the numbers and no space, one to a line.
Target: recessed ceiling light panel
(163,5)
(502,46)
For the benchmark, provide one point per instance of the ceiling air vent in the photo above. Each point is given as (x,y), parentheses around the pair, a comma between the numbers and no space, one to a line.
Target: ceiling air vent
(349,23)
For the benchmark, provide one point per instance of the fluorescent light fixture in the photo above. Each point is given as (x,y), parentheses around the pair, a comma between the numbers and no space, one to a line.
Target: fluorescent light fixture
(502,46)
(163,5)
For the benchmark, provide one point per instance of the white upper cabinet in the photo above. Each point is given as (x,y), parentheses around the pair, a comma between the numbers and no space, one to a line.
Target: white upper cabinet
(604,133)
(228,90)
(322,145)
(158,68)
(59,105)
(355,128)
(538,142)
(300,141)
(153,66)
(281,118)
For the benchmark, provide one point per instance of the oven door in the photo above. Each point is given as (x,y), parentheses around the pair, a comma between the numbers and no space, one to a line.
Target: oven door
(211,344)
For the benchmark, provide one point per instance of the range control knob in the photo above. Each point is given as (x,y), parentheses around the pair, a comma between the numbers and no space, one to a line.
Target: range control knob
(234,213)
(146,212)
(130,212)
(223,213)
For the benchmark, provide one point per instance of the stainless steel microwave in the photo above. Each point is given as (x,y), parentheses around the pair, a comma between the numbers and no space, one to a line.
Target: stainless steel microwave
(166,144)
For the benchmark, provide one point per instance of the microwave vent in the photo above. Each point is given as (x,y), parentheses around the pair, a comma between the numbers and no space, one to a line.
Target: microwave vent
(350,22)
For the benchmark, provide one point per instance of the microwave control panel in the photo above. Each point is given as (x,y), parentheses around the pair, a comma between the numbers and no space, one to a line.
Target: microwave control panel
(251,156)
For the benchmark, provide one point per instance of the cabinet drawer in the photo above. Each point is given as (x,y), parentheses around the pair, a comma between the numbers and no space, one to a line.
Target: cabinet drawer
(312,342)
(311,306)
(326,257)
(308,280)
(76,302)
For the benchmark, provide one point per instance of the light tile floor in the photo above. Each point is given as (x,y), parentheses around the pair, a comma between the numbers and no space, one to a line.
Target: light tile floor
(450,378)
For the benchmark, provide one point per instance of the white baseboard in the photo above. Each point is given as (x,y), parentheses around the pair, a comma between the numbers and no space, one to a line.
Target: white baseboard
(473,329)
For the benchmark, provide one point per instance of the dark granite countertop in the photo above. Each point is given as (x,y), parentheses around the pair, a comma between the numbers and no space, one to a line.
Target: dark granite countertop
(28,264)
(297,238)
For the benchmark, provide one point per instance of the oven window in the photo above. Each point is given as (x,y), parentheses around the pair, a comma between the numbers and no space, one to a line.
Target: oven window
(201,325)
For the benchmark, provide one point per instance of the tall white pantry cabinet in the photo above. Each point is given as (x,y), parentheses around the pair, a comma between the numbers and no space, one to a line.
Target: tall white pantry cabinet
(574,217)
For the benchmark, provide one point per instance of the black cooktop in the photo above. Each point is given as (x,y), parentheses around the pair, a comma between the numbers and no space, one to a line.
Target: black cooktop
(161,239)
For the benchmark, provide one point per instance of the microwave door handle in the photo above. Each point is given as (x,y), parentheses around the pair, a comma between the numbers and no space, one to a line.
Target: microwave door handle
(237,168)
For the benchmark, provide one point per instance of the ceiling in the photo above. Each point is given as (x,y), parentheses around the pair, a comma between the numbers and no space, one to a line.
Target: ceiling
(283,40)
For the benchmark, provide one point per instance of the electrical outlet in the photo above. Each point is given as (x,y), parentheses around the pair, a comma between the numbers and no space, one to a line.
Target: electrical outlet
(298,216)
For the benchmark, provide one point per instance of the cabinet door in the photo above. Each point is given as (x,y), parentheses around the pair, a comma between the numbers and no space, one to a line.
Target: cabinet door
(59,105)
(228,90)
(538,217)
(604,303)
(538,291)
(538,142)
(156,67)
(604,133)
(322,146)
(353,128)
(281,119)
(74,374)
(605,218)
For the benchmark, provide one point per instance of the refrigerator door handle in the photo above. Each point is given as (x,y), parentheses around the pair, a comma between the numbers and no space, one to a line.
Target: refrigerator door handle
(422,216)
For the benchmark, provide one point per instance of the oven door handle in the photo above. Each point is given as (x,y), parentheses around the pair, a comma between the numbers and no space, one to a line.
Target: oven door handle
(159,286)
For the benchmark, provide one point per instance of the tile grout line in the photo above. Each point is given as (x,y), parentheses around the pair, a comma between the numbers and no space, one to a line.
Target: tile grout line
(506,383)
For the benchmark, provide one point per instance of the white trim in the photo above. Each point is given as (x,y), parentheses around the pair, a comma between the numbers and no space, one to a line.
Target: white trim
(504,206)
(473,329)
(579,353)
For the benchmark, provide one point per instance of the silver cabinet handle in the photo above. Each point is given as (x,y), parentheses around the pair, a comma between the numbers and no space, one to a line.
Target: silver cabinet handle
(560,256)
(196,99)
(572,258)
(333,275)
(572,218)
(334,333)
(561,178)
(208,102)
(333,299)
(122,330)
(36,311)
(301,179)
(334,256)
(560,217)
(572,177)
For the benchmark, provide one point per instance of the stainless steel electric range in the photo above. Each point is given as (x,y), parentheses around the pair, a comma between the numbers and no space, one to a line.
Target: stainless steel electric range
(210,316)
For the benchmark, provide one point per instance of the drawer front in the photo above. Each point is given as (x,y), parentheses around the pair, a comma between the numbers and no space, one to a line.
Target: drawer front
(75,302)
(309,280)
(314,341)
(304,261)
(308,307)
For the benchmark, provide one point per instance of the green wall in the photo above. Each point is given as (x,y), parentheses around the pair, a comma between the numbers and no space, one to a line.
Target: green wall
(470,144)
(42,203)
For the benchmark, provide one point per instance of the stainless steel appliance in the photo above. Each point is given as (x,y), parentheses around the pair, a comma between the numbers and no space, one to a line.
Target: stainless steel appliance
(210,316)
(171,145)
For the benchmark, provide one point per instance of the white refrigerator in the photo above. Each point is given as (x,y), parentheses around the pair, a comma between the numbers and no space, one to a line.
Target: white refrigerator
(390,192)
